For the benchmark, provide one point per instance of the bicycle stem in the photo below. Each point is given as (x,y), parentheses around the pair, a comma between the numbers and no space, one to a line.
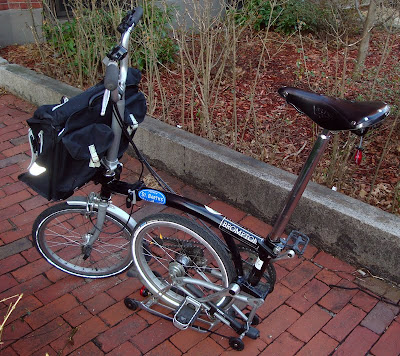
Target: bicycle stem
(299,186)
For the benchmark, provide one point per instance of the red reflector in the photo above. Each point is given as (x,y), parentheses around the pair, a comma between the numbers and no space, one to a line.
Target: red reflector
(358,156)
(144,292)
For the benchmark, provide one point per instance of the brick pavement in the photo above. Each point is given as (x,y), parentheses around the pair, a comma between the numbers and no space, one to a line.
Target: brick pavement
(61,314)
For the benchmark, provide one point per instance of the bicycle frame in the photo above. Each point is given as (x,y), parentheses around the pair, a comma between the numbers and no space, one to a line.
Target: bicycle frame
(267,248)
(255,275)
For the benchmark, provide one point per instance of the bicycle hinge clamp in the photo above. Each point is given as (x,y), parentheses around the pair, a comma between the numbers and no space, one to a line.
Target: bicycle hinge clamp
(117,53)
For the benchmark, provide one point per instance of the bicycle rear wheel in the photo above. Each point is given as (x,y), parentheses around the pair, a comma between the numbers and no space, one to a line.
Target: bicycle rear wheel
(60,232)
(164,244)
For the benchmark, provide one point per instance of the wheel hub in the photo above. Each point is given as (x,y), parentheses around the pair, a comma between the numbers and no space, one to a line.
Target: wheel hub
(175,270)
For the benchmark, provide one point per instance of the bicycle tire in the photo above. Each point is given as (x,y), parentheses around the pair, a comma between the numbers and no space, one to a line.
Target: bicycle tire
(164,240)
(60,231)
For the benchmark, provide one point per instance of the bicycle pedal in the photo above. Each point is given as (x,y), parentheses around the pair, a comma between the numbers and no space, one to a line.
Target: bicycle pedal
(297,241)
(187,313)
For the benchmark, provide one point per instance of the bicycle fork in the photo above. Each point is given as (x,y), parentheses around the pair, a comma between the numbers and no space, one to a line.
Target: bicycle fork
(93,235)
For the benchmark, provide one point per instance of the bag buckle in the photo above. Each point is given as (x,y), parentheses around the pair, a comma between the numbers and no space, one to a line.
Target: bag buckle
(94,160)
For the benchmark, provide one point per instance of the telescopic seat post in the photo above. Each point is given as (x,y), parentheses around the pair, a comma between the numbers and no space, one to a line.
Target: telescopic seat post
(300,185)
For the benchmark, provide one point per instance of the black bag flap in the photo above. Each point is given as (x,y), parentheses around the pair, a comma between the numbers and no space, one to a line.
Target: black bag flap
(133,77)
(77,142)
(135,104)
(58,115)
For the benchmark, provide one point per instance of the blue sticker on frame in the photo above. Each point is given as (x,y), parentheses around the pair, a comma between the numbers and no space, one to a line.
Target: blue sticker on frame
(153,196)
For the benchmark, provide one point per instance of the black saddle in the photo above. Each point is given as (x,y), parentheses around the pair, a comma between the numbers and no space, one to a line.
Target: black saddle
(336,114)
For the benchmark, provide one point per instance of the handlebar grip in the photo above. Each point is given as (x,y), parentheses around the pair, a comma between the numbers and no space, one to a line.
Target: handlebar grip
(137,15)
(111,77)
(132,17)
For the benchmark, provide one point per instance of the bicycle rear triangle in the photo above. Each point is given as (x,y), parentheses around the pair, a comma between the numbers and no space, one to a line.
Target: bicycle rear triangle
(193,276)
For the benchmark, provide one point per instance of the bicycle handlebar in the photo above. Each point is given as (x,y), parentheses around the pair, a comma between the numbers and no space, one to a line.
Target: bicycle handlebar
(137,15)
(111,77)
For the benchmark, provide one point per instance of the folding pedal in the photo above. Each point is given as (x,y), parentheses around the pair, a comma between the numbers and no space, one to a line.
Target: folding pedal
(297,242)
(187,313)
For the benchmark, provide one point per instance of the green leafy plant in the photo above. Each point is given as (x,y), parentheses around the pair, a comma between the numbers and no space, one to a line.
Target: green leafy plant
(66,32)
(286,17)
(298,15)
(258,13)
(83,40)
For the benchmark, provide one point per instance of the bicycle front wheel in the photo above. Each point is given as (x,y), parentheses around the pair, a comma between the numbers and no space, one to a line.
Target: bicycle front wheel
(165,245)
(61,232)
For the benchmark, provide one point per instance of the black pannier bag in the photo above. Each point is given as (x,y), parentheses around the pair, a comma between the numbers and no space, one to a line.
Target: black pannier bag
(69,140)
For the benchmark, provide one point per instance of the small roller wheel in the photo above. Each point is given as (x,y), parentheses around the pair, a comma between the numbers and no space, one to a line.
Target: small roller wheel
(131,304)
(256,319)
(236,343)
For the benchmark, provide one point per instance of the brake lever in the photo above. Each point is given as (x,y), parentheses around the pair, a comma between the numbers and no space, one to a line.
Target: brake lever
(106,99)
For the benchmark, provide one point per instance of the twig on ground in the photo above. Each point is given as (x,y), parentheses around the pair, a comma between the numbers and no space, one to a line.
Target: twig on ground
(11,308)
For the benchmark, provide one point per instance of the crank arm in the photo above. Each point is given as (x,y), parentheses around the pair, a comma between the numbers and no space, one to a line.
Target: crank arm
(285,255)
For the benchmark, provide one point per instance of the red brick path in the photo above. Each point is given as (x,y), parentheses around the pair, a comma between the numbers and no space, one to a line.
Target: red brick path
(61,314)
(20,4)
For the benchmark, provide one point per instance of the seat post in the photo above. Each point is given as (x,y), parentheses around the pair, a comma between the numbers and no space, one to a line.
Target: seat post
(300,185)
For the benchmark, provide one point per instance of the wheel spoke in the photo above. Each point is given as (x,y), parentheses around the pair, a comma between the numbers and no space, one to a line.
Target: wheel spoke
(61,225)
(178,246)
(63,230)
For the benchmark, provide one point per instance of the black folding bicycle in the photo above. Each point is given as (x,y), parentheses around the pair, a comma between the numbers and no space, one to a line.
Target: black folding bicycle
(196,277)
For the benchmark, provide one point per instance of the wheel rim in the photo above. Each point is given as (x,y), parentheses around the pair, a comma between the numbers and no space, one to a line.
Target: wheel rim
(165,252)
(61,235)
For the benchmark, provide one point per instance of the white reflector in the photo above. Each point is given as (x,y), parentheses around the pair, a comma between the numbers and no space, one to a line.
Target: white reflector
(36,170)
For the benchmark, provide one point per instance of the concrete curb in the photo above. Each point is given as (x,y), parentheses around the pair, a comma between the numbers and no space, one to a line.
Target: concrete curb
(350,229)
